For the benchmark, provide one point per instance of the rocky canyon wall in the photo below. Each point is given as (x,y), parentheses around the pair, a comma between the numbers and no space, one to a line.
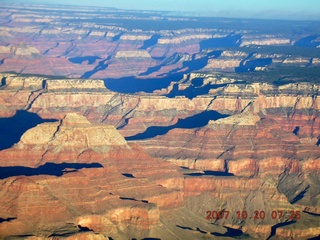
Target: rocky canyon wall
(254,143)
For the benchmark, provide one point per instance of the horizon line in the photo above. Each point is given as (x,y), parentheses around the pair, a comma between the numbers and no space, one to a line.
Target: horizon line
(172,13)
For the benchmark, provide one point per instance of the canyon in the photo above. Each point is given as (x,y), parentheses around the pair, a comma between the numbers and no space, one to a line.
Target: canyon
(256,144)
(103,43)
(114,127)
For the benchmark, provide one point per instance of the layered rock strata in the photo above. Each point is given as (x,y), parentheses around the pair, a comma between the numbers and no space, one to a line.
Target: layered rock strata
(76,44)
(264,155)
(95,181)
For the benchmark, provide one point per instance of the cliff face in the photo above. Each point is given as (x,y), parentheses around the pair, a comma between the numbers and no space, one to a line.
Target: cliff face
(19,50)
(265,40)
(72,134)
(74,84)
(135,113)
(78,177)
(254,143)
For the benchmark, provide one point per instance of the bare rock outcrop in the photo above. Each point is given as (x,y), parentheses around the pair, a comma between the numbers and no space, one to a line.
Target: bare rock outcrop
(19,50)
(77,177)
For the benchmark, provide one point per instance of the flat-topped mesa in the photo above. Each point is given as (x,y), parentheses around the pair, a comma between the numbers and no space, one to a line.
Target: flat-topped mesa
(15,82)
(231,87)
(178,39)
(266,89)
(19,50)
(63,141)
(212,78)
(75,84)
(297,61)
(265,39)
(244,118)
(74,131)
(133,54)
(184,35)
(135,36)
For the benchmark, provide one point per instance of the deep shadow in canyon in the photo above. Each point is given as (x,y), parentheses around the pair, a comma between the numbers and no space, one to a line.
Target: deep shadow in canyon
(128,175)
(197,64)
(72,229)
(224,42)
(54,169)
(230,232)
(307,42)
(247,65)
(80,60)
(150,42)
(296,131)
(315,238)
(102,65)
(251,65)
(13,128)
(195,121)
(299,196)
(6,220)
(196,89)
(133,199)
(133,85)
(274,228)
(193,65)
(165,61)
(210,173)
